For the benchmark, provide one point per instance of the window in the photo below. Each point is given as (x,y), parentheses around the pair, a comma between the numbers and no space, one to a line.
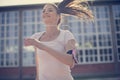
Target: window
(94,38)
(75,27)
(8,38)
(116,16)
(29,16)
(2,16)
(105,40)
(31,24)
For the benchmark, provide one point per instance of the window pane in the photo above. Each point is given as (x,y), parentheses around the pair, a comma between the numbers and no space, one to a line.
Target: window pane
(116,16)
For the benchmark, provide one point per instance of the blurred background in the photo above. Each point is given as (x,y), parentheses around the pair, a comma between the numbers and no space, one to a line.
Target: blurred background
(98,48)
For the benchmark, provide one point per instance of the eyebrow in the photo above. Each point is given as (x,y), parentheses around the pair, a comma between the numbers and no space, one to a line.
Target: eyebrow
(48,8)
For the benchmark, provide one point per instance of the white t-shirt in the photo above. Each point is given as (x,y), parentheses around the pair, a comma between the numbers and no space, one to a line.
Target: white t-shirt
(49,67)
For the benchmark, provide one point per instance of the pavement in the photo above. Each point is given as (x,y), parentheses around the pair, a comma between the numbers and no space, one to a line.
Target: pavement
(118,78)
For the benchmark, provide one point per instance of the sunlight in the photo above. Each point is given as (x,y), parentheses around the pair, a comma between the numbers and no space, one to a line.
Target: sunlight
(29,49)
(25,2)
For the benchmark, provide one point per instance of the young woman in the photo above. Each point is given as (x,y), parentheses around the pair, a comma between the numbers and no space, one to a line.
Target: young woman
(55,48)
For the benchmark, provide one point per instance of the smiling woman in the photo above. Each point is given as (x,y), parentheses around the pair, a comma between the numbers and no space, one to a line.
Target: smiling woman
(48,56)
(52,16)
(54,47)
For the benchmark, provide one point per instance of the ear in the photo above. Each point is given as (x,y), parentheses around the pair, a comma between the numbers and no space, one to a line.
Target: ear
(58,19)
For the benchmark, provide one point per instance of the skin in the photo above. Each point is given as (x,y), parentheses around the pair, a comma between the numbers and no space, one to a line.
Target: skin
(50,18)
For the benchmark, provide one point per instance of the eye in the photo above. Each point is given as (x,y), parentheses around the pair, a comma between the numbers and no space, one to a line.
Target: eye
(50,10)
(43,11)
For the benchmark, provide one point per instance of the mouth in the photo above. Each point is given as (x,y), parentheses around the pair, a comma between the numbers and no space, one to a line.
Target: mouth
(47,16)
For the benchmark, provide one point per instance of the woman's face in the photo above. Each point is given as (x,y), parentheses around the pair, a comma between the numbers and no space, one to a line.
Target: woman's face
(50,15)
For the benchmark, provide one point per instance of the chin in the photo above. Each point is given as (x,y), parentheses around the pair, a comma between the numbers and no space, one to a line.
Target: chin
(47,23)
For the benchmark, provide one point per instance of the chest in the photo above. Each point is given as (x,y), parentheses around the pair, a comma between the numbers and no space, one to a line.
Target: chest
(57,45)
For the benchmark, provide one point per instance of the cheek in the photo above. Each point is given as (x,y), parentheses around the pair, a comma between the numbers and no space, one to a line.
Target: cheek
(55,16)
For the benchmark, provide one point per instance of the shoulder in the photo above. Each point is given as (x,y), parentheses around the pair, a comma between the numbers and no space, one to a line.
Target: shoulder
(68,36)
(37,35)
(66,32)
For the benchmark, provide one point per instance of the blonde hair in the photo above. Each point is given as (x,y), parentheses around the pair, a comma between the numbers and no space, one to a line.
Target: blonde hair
(78,8)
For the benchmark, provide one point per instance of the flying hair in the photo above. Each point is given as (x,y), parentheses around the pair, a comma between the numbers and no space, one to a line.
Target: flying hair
(78,8)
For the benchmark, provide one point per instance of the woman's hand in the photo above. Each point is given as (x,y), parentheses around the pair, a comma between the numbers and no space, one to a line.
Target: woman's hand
(33,42)
(29,41)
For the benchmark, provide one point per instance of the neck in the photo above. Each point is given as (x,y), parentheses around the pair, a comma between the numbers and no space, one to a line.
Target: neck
(52,29)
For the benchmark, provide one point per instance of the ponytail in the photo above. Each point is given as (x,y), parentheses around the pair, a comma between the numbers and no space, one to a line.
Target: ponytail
(78,8)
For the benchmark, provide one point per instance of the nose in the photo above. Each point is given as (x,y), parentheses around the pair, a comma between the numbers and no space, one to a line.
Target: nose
(45,12)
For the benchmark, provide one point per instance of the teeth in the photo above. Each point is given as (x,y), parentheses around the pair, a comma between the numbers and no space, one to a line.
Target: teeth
(46,16)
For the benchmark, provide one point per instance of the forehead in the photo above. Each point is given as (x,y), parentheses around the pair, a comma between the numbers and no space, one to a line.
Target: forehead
(48,6)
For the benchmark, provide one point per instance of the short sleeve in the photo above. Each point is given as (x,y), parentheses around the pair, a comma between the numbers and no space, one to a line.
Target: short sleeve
(68,36)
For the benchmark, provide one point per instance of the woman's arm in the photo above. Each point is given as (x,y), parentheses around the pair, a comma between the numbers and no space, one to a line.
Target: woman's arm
(64,58)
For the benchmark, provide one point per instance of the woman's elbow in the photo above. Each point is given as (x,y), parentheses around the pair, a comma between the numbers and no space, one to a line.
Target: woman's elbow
(75,62)
(72,63)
